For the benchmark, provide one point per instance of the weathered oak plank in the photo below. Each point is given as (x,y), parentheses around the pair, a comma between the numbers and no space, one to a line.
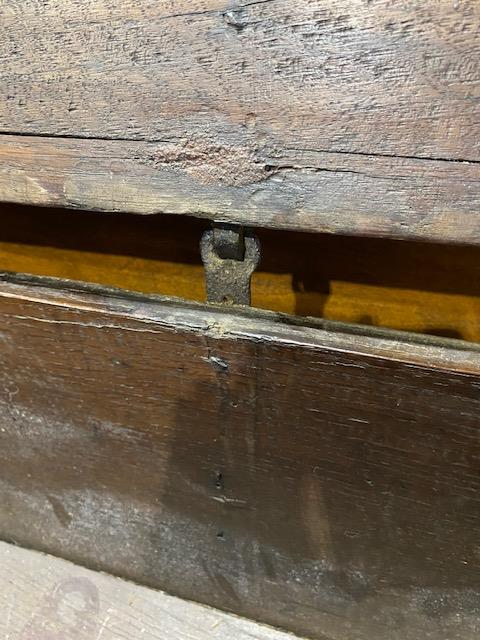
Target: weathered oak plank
(297,114)
(329,192)
(46,598)
(307,475)
(232,80)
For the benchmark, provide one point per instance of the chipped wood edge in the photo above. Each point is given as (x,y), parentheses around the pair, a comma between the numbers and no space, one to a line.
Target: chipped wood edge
(350,194)
(139,312)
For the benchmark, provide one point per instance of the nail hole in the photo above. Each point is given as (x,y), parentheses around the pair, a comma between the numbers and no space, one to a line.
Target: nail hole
(219,483)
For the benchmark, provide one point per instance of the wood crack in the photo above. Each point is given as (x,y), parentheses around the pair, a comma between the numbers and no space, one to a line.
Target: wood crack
(148,140)
(393,156)
(277,169)
(210,12)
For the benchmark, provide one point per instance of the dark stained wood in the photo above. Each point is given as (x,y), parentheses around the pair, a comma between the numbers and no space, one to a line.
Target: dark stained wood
(327,192)
(339,117)
(304,474)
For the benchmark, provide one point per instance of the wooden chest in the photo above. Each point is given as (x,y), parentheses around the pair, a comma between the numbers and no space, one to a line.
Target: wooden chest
(311,461)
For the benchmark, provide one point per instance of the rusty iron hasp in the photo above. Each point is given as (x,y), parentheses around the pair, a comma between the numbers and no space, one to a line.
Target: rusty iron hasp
(230,254)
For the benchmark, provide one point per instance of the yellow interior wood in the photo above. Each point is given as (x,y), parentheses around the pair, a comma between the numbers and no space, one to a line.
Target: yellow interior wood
(417,288)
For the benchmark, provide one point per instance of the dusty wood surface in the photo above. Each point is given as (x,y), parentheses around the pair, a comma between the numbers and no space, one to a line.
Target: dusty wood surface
(372,76)
(334,193)
(425,288)
(46,598)
(339,117)
(323,481)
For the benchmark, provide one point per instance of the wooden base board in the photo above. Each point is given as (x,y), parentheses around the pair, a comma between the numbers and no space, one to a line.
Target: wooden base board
(46,598)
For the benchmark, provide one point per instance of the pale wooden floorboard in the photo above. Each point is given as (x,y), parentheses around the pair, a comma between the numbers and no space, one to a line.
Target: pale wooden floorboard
(46,598)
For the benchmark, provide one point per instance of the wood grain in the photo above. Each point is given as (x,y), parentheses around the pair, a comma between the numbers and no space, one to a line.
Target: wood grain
(335,193)
(432,289)
(367,76)
(310,475)
(46,598)
(338,117)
